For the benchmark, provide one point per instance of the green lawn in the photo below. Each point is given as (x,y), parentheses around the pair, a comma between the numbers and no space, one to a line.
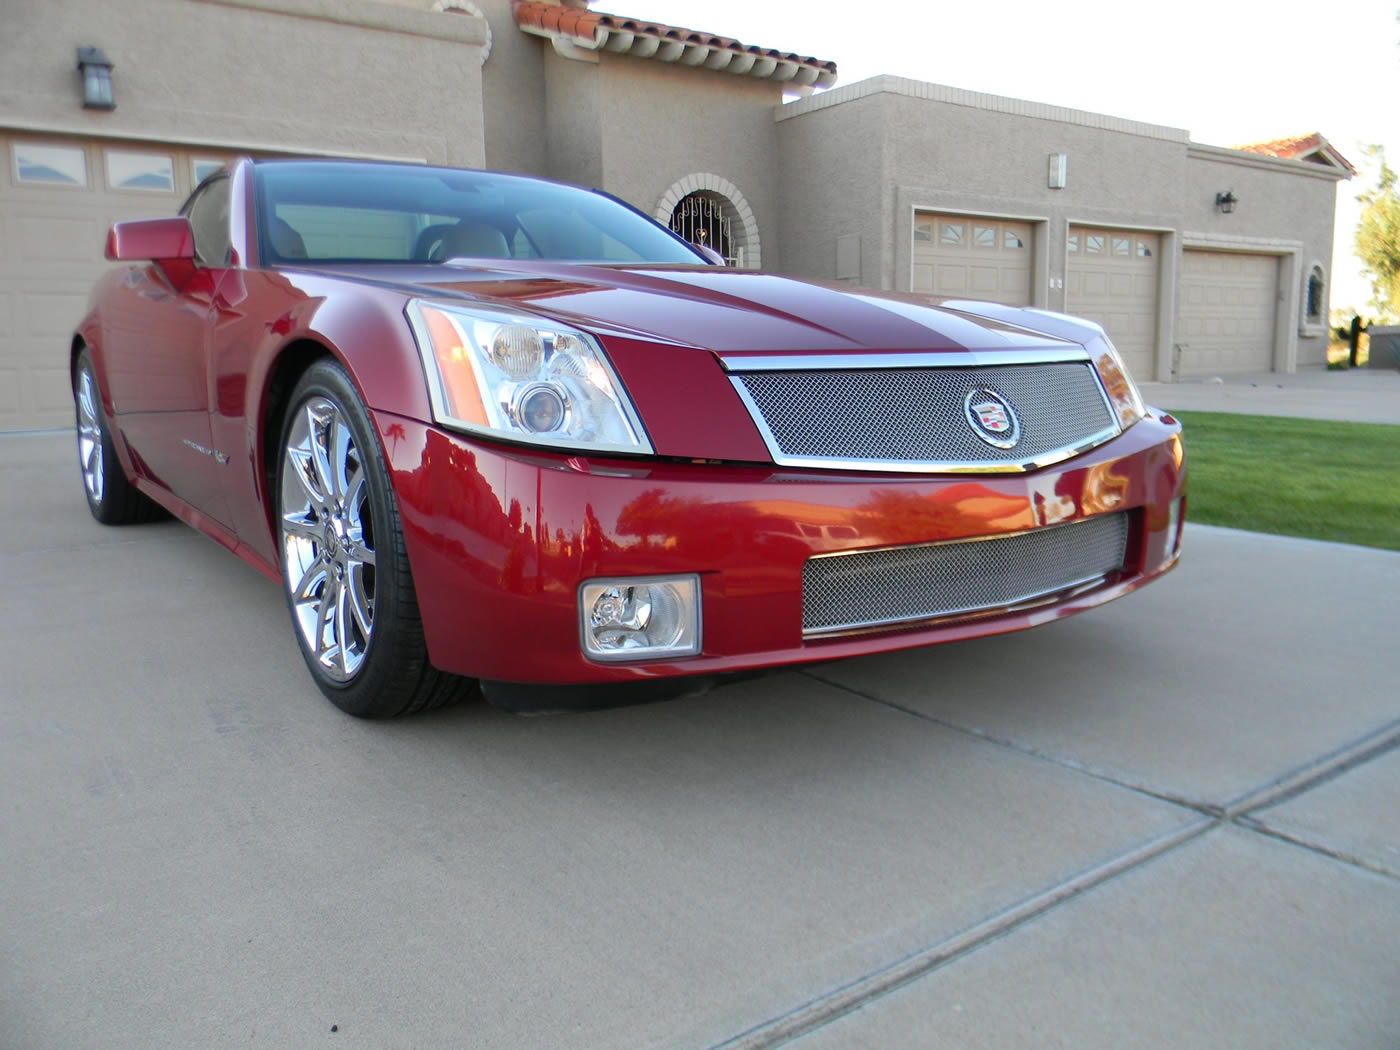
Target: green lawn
(1294,477)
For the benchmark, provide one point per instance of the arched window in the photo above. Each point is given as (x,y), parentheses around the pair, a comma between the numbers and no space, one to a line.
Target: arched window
(700,219)
(708,209)
(1314,303)
(1315,295)
(467,7)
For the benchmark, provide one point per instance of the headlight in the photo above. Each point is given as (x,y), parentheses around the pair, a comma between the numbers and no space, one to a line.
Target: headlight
(1122,392)
(523,379)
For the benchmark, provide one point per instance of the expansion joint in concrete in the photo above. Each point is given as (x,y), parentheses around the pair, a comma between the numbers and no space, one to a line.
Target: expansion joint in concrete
(843,1000)
(850,997)
(1204,808)
(1311,774)
(1259,827)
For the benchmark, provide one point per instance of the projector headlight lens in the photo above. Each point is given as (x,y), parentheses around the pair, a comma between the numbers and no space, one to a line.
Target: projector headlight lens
(541,408)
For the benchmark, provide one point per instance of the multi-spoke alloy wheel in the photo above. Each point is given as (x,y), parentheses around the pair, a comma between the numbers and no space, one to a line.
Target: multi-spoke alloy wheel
(344,567)
(328,538)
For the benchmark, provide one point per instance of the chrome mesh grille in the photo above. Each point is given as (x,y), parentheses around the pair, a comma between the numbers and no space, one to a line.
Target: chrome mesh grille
(946,579)
(916,415)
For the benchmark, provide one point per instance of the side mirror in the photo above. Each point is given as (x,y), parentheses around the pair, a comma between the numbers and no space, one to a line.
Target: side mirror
(154,240)
(715,258)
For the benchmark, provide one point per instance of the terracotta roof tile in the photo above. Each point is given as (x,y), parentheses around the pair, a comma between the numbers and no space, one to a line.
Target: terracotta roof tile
(594,29)
(1300,147)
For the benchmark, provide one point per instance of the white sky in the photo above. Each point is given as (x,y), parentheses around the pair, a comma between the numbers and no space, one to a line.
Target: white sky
(1228,71)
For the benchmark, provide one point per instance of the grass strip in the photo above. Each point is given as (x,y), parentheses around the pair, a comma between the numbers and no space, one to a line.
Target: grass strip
(1313,478)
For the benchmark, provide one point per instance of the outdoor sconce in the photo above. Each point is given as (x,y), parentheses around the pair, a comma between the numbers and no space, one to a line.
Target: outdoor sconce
(97,79)
(1056,174)
(1226,201)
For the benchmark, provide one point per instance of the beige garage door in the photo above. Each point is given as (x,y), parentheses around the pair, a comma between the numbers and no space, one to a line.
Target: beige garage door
(1112,279)
(1225,318)
(958,256)
(57,198)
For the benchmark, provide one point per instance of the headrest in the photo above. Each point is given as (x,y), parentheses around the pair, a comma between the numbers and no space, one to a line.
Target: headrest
(286,242)
(474,240)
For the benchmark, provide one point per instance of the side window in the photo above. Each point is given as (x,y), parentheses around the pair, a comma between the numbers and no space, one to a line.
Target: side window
(208,215)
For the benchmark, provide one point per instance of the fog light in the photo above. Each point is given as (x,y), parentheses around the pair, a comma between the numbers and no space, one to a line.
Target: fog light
(640,618)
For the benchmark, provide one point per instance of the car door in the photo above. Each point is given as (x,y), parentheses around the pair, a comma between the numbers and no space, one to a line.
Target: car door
(158,360)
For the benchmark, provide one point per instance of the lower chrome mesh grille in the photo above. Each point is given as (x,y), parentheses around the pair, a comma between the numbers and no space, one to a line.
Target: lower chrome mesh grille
(901,584)
(916,415)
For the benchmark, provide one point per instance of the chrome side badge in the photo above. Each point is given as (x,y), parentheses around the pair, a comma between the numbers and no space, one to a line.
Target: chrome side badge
(991,417)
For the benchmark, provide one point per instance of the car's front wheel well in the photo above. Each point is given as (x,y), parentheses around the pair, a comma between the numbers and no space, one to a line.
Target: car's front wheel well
(287,371)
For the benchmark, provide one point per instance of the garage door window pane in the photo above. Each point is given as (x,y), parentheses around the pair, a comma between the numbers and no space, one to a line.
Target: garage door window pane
(952,233)
(1144,250)
(140,171)
(54,165)
(1121,246)
(1012,240)
(984,236)
(1074,242)
(203,168)
(923,231)
(1093,245)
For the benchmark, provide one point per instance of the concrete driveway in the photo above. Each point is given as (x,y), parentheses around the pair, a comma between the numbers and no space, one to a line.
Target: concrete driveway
(1354,395)
(1170,822)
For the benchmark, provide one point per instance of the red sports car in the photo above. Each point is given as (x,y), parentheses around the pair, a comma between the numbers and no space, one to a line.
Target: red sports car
(494,427)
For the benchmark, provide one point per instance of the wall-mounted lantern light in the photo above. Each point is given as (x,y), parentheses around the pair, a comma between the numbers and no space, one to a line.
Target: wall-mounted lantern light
(97,79)
(1059,162)
(1226,201)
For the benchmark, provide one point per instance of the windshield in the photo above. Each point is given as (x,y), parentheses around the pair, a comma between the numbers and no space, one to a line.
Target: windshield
(311,211)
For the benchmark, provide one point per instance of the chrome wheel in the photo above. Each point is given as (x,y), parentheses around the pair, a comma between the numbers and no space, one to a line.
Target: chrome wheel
(328,538)
(89,436)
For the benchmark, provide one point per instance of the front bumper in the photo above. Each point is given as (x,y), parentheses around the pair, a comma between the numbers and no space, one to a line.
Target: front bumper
(501,538)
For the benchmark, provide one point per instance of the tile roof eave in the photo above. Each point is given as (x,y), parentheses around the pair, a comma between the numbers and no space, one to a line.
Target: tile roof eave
(1300,148)
(597,31)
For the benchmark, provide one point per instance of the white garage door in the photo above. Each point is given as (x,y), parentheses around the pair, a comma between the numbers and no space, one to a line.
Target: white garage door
(57,199)
(1112,279)
(1225,320)
(958,256)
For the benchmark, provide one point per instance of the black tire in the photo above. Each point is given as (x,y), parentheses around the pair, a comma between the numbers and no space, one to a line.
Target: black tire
(112,498)
(345,571)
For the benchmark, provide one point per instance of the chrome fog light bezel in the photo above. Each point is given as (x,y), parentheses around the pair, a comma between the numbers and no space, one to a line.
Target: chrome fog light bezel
(690,636)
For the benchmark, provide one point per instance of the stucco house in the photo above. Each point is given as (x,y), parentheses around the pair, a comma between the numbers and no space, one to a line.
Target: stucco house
(1197,259)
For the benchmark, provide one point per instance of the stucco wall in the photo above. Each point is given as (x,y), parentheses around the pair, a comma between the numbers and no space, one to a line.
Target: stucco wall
(572,121)
(858,161)
(513,91)
(1283,207)
(662,121)
(920,152)
(961,159)
(359,77)
(834,185)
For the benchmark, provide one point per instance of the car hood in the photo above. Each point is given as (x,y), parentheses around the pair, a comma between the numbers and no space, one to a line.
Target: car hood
(663,327)
(720,310)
